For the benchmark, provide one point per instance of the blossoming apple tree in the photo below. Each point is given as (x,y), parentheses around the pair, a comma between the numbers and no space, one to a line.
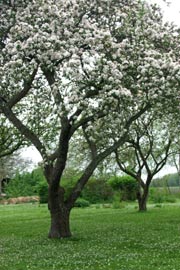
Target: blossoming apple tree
(76,64)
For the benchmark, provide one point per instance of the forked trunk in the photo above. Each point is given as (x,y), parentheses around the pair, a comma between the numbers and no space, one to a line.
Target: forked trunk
(60,216)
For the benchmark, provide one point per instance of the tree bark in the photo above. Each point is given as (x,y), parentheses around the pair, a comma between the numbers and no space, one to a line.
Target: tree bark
(142,202)
(142,199)
(60,214)
(60,224)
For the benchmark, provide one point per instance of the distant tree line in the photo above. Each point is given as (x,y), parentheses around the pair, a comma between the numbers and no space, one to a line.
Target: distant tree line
(171,180)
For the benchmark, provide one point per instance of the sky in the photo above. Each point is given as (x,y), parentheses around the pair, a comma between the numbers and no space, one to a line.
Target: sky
(33,154)
(171,12)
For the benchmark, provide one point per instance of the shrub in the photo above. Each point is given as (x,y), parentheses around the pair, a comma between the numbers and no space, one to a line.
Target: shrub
(97,191)
(170,199)
(156,195)
(68,183)
(82,203)
(158,205)
(43,192)
(158,198)
(21,185)
(38,176)
(126,185)
(160,195)
(116,201)
(25,184)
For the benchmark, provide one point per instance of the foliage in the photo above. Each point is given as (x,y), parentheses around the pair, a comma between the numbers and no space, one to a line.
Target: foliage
(41,185)
(127,186)
(161,195)
(43,192)
(10,138)
(97,190)
(80,202)
(156,196)
(69,179)
(37,175)
(107,239)
(21,185)
(117,203)
(26,184)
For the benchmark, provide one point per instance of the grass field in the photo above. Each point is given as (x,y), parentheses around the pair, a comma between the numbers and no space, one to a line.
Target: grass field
(118,239)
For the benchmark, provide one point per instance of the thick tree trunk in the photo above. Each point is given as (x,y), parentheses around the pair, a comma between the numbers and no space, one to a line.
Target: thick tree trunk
(60,225)
(60,215)
(142,202)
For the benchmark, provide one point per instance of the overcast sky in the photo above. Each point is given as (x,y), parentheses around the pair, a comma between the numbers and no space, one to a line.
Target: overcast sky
(172,11)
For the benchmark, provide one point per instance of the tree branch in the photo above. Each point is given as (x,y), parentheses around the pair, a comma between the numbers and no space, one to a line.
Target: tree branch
(134,174)
(162,162)
(23,129)
(27,86)
(9,152)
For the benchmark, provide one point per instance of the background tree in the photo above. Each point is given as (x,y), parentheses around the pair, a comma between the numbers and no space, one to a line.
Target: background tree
(175,126)
(167,181)
(71,66)
(145,154)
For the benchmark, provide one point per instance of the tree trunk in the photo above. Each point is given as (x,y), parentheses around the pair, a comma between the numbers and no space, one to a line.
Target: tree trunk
(60,215)
(142,199)
(60,225)
(142,202)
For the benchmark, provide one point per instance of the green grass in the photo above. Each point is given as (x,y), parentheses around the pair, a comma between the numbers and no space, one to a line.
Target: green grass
(104,238)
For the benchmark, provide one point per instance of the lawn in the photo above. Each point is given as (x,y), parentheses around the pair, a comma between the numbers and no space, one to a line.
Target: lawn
(103,238)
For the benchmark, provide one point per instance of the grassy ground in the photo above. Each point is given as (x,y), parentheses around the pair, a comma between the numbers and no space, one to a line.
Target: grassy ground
(110,239)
